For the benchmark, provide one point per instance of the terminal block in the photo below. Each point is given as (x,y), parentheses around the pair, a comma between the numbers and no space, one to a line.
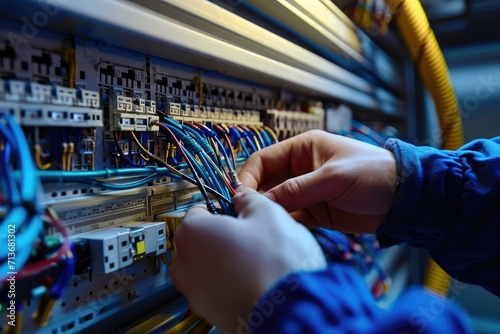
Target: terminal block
(121,104)
(63,95)
(154,238)
(141,123)
(14,90)
(123,121)
(38,93)
(110,249)
(87,98)
(150,107)
(139,105)
(174,109)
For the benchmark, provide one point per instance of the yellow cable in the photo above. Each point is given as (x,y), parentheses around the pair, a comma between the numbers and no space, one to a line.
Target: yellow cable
(424,49)
(142,148)
(44,309)
(255,140)
(257,133)
(70,58)
(65,152)
(365,15)
(171,150)
(271,132)
(223,175)
(38,156)
(199,327)
(18,328)
(358,11)
(185,325)
(70,155)
(148,147)
(199,87)
(422,44)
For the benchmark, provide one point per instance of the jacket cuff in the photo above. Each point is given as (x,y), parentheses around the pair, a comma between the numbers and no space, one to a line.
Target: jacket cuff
(335,300)
(428,197)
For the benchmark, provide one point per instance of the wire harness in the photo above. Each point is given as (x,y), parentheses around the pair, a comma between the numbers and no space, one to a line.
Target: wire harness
(20,190)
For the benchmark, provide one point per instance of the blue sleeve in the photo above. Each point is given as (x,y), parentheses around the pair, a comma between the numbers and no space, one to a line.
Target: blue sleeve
(337,300)
(448,202)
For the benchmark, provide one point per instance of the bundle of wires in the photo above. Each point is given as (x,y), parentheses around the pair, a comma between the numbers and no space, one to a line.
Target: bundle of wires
(364,133)
(209,154)
(356,250)
(65,260)
(20,207)
(199,156)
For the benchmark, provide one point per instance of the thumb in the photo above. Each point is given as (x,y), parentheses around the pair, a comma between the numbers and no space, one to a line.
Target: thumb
(248,201)
(301,191)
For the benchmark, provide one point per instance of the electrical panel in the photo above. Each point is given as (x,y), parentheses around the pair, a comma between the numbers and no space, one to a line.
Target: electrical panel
(93,90)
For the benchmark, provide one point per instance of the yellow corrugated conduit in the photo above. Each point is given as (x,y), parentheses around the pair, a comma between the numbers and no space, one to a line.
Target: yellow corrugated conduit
(414,27)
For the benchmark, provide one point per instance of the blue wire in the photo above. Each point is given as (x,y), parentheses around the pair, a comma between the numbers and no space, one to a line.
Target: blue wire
(15,216)
(259,138)
(217,180)
(31,184)
(207,174)
(181,136)
(236,136)
(218,183)
(245,150)
(24,193)
(266,138)
(67,269)
(51,175)
(8,182)
(223,150)
(248,139)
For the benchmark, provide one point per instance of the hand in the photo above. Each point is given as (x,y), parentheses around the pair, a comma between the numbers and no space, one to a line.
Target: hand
(225,264)
(326,180)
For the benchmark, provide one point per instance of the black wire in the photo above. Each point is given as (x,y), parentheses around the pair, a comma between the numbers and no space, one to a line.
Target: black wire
(203,188)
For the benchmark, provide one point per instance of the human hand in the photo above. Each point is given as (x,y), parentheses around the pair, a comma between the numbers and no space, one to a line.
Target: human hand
(225,264)
(326,180)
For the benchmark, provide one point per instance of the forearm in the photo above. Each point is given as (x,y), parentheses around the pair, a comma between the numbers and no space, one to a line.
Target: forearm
(448,202)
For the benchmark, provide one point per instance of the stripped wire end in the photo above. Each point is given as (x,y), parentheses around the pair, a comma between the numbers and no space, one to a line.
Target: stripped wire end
(235,182)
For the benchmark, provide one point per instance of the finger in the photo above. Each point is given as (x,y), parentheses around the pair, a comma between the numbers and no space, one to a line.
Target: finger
(197,225)
(196,211)
(265,164)
(249,201)
(277,178)
(302,191)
